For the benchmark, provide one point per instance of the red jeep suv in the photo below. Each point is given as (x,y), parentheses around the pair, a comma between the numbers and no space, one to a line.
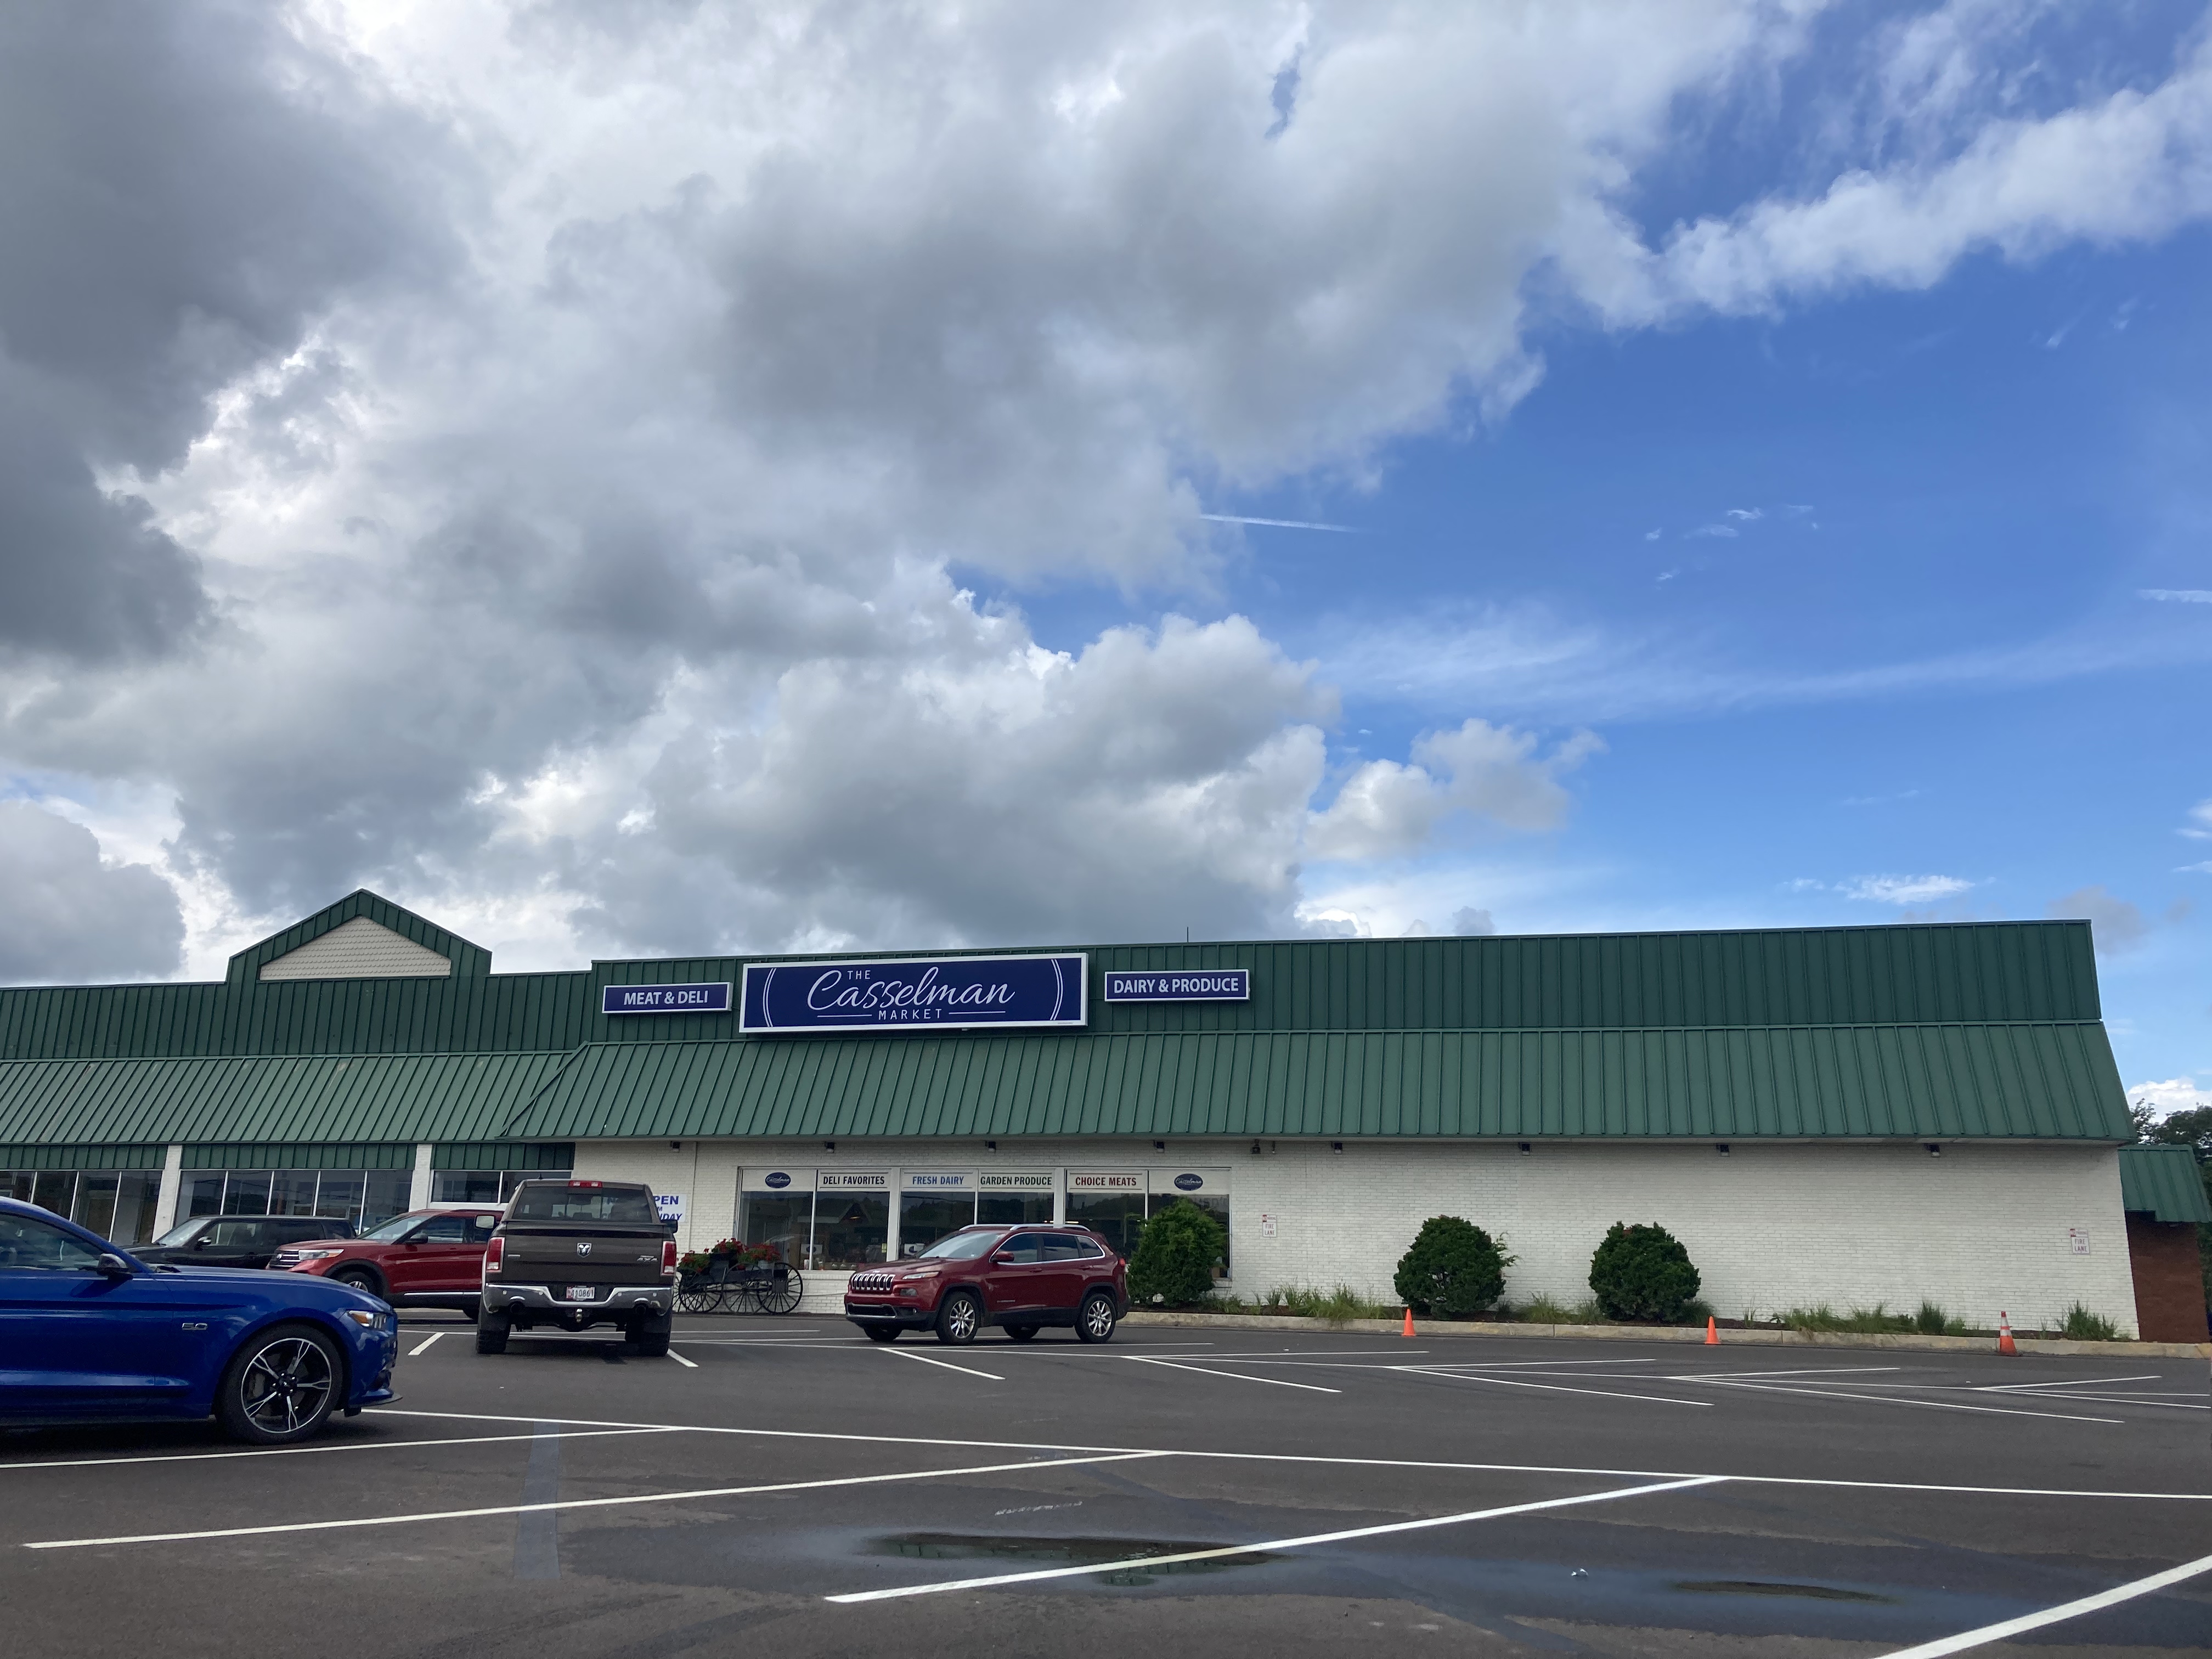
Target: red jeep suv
(1020,1279)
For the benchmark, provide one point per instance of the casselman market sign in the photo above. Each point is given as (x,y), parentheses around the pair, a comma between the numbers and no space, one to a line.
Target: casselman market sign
(949,993)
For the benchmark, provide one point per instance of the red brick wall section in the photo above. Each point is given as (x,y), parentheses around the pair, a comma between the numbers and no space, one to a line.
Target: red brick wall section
(2169,1282)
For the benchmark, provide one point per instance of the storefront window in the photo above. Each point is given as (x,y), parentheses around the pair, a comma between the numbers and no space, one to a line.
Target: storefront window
(1117,1216)
(783,1219)
(292,1192)
(384,1194)
(851,1229)
(55,1190)
(925,1218)
(338,1196)
(364,1197)
(245,1192)
(1006,1209)
(465,1187)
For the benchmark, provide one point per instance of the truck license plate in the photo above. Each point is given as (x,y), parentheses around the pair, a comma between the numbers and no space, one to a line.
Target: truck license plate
(580,1293)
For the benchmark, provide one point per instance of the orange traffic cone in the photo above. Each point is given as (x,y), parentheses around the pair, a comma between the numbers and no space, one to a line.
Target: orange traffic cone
(2004,1335)
(1712,1332)
(1409,1330)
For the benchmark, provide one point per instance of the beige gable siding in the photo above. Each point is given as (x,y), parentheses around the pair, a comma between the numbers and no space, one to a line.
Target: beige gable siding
(360,949)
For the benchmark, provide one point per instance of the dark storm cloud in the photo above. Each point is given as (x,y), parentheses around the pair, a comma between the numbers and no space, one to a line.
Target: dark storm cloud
(64,915)
(183,188)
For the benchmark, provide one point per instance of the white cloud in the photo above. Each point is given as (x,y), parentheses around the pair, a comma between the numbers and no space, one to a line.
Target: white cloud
(555,428)
(2167,1096)
(2199,827)
(2178,595)
(1903,889)
(1387,810)
(2125,167)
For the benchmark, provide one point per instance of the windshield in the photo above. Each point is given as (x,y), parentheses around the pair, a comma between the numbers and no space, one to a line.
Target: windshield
(547,1200)
(960,1247)
(184,1231)
(398,1227)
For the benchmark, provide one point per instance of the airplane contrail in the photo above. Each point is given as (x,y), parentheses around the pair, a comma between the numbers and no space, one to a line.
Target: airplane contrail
(1284,524)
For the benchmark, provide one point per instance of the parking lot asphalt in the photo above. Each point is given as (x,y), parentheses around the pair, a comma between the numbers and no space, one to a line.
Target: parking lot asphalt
(784,1485)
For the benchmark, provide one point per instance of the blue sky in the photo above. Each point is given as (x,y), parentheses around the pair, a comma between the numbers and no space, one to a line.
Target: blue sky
(641,481)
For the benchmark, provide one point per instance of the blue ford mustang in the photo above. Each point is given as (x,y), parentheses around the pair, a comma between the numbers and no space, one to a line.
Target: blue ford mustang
(90,1334)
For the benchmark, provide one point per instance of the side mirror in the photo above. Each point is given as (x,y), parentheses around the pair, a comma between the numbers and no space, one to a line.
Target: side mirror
(200,1242)
(112,1265)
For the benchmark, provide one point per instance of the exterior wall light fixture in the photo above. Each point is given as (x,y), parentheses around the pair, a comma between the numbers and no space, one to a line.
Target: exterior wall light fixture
(1336,1146)
(1255,1149)
(990,1145)
(829,1146)
(1721,1146)
(1160,1145)
(1524,1149)
(1934,1150)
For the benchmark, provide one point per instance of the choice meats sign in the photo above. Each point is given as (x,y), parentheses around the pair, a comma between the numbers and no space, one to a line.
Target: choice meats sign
(946,992)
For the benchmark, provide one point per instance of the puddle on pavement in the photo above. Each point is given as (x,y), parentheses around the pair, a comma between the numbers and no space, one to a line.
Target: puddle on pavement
(1066,1553)
(1762,1587)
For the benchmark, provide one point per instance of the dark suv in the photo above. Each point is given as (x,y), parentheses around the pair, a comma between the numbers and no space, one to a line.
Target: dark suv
(237,1240)
(573,1253)
(1019,1279)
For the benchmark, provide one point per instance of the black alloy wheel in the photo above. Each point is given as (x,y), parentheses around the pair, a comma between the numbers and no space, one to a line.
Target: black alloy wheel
(882,1333)
(1021,1332)
(1094,1321)
(959,1318)
(359,1278)
(492,1332)
(281,1385)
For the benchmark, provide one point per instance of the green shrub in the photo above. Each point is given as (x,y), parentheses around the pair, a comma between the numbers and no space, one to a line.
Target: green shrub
(1174,1257)
(2082,1326)
(1454,1269)
(1643,1273)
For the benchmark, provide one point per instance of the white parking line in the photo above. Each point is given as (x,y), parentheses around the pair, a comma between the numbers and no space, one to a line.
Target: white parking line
(578,1503)
(2063,1382)
(1892,1400)
(423,1346)
(2027,1621)
(908,1354)
(1140,1562)
(299,1451)
(1237,1377)
(688,1364)
(1548,1388)
(1315,1457)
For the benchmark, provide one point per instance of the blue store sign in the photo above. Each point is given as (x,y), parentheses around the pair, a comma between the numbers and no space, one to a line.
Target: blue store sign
(1200,985)
(943,993)
(713,999)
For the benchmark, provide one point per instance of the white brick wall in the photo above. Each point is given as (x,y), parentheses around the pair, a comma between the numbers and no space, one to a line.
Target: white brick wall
(1979,1229)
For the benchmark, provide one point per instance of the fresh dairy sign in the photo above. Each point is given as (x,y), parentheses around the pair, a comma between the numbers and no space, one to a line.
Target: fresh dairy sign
(939,992)
(1195,985)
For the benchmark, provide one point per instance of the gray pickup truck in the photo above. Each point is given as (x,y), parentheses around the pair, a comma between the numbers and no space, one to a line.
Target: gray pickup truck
(570,1255)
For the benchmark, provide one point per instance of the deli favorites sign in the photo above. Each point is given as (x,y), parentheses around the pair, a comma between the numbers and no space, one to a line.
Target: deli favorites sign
(945,993)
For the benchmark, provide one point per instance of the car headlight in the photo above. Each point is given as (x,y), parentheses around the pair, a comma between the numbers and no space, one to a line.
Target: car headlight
(299,1256)
(367,1318)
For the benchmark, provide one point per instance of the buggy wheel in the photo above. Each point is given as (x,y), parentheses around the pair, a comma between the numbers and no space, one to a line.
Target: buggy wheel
(781,1294)
(697,1299)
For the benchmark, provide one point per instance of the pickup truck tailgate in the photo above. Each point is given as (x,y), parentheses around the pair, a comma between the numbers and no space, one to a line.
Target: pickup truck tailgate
(600,1253)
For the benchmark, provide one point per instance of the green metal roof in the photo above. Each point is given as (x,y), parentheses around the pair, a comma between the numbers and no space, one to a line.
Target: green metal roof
(290,1098)
(2166,1181)
(1962,973)
(1932,1032)
(1921,1082)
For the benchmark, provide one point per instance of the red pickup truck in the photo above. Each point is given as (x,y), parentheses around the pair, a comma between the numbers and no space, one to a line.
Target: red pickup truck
(425,1259)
